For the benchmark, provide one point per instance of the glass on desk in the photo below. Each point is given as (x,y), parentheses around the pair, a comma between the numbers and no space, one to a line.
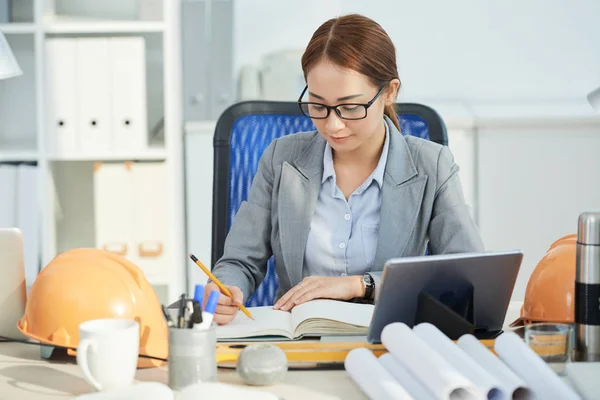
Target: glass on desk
(553,342)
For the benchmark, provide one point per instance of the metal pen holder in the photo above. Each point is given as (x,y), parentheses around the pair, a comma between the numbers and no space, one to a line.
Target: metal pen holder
(192,356)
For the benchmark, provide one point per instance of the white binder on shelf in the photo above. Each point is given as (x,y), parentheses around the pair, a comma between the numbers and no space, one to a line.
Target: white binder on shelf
(8,196)
(128,80)
(113,205)
(94,95)
(4,12)
(149,219)
(27,219)
(61,96)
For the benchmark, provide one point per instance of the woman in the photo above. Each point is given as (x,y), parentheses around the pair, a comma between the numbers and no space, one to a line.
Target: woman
(334,204)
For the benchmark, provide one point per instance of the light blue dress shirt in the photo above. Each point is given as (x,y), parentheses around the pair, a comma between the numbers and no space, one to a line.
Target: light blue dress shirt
(343,234)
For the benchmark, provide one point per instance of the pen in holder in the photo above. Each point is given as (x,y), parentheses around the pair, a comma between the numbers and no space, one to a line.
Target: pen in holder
(192,356)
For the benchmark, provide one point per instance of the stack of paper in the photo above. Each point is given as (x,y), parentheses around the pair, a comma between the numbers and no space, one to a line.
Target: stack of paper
(423,363)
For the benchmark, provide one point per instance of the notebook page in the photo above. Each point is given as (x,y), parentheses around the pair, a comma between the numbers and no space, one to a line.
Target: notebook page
(267,321)
(334,310)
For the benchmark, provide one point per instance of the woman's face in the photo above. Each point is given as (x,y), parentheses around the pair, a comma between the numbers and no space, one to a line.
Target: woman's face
(331,85)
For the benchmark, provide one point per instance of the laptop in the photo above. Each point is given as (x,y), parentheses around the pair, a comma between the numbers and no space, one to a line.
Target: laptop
(460,291)
(13,292)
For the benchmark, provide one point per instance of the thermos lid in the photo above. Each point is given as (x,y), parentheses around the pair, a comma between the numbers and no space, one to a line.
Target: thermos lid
(588,231)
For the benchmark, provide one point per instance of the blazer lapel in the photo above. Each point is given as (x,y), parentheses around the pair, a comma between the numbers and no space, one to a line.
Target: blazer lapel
(401,197)
(298,193)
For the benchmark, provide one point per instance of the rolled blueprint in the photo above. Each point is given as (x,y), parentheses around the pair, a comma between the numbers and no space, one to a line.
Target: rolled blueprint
(511,384)
(434,372)
(488,386)
(372,378)
(413,386)
(538,375)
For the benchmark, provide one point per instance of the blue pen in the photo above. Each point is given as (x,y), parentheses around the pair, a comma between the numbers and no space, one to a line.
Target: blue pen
(209,311)
(199,295)
(211,303)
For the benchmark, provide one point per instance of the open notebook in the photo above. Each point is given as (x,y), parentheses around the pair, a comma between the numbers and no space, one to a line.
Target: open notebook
(314,318)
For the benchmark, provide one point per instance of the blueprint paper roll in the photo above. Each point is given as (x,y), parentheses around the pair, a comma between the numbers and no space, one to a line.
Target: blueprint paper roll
(435,373)
(372,378)
(538,375)
(486,384)
(413,386)
(514,386)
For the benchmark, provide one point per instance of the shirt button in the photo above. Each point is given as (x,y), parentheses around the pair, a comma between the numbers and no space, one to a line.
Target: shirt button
(347,217)
(344,274)
(342,245)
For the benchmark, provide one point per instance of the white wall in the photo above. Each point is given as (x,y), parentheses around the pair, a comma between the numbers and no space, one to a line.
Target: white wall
(533,183)
(463,50)
(264,26)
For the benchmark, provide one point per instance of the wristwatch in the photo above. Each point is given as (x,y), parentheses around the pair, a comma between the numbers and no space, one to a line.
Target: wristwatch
(369,284)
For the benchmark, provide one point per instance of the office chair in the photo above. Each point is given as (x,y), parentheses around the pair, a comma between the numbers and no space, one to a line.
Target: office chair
(243,132)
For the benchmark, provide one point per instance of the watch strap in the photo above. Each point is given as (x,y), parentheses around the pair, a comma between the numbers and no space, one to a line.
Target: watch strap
(368,287)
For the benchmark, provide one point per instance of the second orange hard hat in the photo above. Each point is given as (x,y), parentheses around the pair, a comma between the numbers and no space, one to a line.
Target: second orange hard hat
(550,292)
(85,284)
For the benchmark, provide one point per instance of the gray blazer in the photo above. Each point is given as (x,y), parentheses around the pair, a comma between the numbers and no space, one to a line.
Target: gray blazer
(422,200)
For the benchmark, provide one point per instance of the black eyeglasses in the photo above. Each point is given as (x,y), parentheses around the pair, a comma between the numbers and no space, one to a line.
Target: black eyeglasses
(350,111)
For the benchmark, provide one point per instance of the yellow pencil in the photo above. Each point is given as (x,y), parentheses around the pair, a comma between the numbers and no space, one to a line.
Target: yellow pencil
(224,290)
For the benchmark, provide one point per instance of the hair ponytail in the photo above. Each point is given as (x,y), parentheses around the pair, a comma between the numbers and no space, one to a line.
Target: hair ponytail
(390,111)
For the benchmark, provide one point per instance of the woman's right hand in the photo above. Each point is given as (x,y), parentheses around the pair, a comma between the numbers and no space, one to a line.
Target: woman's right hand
(227,307)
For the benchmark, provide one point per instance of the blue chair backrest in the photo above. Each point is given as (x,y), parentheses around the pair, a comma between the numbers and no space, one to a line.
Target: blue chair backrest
(245,130)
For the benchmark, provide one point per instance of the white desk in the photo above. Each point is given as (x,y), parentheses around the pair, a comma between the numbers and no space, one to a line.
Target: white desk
(25,375)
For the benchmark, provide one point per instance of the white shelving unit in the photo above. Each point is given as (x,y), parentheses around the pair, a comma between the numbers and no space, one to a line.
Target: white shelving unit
(24,134)
(54,25)
(18,27)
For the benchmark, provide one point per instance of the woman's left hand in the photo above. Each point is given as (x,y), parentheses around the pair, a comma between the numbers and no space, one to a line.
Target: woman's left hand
(321,287)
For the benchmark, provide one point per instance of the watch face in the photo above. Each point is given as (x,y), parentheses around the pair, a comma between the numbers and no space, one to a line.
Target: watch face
(367,280)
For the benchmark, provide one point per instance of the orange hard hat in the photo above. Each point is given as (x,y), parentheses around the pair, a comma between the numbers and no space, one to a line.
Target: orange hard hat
(550,292)
(84,284)
(569,239)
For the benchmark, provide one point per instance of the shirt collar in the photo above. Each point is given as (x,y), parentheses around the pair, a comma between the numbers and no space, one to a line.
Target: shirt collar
(377,175)
(328,171)
(380,169)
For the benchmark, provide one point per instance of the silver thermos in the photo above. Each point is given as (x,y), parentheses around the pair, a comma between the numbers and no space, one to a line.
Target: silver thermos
(587,288)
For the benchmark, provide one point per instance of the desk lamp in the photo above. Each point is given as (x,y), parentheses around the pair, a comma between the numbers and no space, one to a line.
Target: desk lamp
(594,99)
(9,67)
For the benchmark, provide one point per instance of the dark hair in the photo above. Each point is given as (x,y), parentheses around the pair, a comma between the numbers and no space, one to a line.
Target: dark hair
(358,43)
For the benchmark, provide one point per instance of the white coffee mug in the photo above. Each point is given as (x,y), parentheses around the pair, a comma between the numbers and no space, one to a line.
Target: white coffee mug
(107,352)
